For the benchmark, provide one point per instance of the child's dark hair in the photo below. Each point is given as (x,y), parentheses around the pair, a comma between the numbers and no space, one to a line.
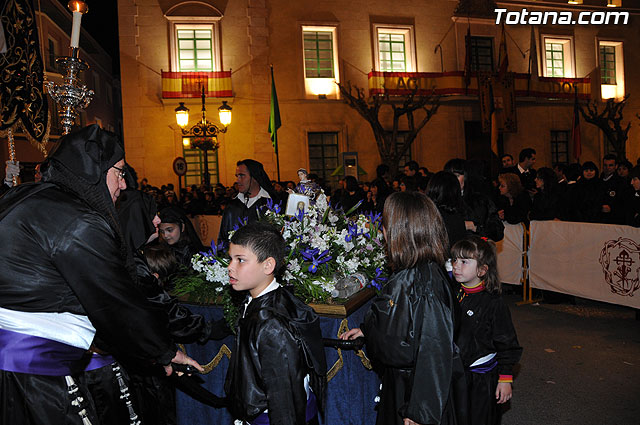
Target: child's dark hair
(484,252)
(161,260)
(264,240)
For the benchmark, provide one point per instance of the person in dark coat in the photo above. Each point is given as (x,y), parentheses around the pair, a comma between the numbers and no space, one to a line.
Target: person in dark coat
(615,189)
(83,296)
(480,212)
(546,203)
(177,231)
(277,373)
(154,393)
(514,202)
(255,189)
(632,203)
(444,190)
(352,195)
(409,329)
(586,198)
(524,169)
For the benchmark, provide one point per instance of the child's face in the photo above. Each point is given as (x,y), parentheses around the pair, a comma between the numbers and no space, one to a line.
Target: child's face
(246,273)
(465,270)
(169,232)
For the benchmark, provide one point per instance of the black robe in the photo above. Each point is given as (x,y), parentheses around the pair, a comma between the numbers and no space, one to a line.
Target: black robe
(409,335)
(485,328)
(276,326)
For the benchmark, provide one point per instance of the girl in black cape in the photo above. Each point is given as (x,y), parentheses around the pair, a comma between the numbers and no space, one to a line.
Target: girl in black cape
(409,329)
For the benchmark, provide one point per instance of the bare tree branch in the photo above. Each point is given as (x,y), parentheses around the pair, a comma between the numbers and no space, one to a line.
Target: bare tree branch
(609,121)
(387,141)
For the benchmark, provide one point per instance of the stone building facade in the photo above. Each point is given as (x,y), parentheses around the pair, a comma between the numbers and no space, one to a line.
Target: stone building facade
(312,43)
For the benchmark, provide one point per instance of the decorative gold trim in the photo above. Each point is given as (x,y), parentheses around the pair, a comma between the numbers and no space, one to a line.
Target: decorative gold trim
(344,327)
(224,351)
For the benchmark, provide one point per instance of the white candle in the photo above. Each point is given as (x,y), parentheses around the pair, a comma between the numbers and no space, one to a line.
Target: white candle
(75,30)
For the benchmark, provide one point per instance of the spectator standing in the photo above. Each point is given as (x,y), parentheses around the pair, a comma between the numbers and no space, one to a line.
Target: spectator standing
(524,169)
(614,187)
(545,200)
(514,203)
(587,197)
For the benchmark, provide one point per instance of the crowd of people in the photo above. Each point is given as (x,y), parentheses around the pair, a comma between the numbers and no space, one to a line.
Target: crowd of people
(91,314)
(520,193)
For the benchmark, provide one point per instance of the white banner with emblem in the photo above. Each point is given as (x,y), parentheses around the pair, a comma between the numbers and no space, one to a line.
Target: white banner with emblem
(510,250)
(207,227)
(595,261)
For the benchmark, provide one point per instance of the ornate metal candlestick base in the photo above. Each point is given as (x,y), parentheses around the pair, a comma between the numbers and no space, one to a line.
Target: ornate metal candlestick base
(71,96)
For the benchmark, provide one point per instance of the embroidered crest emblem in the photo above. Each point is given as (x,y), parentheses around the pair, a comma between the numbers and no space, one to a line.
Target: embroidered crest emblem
(620,263)
(204,230)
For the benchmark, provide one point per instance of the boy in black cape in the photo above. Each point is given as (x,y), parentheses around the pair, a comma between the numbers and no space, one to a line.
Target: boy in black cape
(277,373)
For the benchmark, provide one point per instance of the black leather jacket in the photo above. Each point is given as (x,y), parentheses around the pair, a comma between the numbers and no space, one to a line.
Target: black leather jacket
(59,255)
(276,326)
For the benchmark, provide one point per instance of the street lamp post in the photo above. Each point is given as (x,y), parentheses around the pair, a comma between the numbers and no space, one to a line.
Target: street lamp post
(204,135)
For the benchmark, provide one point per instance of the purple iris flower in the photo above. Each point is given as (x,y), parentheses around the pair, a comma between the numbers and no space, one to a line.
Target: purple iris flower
(352,229)
(316,258)
(378,280)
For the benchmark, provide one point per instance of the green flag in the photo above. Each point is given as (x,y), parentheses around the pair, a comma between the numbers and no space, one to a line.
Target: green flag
(274,119)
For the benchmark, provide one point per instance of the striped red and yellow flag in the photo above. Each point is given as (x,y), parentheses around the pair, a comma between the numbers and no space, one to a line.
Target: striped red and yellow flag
(188,84)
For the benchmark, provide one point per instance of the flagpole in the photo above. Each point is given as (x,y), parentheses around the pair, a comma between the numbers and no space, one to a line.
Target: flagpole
(274,120)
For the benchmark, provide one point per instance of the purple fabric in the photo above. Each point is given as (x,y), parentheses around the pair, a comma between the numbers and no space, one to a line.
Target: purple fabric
(312,411)
(38,356)
(99,360)
(485,367)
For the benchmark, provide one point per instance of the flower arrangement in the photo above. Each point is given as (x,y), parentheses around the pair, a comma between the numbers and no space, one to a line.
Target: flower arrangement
(205,143)
(324,245)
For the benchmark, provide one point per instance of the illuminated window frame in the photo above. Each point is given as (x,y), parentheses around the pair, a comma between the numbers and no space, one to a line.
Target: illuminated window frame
(409,45)
(321,87)
(196,23)
(616,90)
(568,63)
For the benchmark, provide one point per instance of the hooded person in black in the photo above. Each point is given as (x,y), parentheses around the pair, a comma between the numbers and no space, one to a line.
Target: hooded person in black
(68,284)
(177,231)
(154,394)
(255,188)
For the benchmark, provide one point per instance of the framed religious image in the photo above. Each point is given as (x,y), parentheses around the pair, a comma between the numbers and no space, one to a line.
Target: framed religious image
(297,202)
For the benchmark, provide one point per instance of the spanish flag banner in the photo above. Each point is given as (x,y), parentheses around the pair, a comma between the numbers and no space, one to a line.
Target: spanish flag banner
(189,84)
(453,84)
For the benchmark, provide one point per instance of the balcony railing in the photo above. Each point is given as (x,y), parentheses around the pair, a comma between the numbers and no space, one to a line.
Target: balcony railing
(453,84)
(189,84)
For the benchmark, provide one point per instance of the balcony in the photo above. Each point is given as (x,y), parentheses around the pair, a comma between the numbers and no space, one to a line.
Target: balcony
(453,84)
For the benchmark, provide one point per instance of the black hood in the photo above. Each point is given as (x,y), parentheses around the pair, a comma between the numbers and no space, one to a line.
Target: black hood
(136,211)
(87,153)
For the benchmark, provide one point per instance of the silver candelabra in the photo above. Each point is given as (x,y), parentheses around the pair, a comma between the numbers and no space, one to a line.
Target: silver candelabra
(71,96)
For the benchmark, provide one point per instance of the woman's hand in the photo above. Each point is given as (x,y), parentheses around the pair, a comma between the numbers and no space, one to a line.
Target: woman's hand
(182,358)
(503,392)
(470,225)
(501,214)
(352,334)
(408,421)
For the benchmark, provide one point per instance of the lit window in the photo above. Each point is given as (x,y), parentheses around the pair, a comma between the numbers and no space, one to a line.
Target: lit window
(320,56)
(195,47)
(394,49)
(558,57)
(611,69)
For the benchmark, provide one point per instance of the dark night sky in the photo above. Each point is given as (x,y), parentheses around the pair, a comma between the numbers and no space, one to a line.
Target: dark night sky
(102,23)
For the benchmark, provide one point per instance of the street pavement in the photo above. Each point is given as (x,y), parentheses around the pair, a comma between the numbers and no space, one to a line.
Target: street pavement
(580,365)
